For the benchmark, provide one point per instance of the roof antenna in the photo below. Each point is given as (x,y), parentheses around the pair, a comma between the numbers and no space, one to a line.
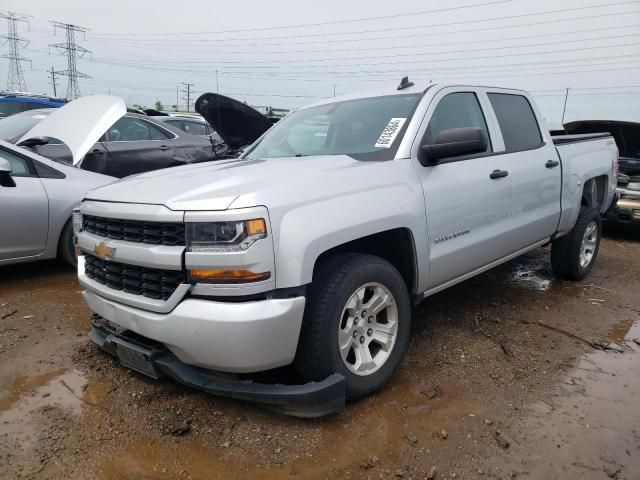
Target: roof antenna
(405,83)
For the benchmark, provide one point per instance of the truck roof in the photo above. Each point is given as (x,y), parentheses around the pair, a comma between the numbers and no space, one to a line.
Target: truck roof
(417,88)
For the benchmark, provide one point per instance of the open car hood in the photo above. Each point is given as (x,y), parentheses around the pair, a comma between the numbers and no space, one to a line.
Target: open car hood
(80,123)
(237,123)
(626,134)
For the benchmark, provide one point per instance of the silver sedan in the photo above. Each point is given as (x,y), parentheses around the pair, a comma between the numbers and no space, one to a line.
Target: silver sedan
(37,197)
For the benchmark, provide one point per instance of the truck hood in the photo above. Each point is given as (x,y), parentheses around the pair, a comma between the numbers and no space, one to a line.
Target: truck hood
(237,123)
(241,182)
(80,123)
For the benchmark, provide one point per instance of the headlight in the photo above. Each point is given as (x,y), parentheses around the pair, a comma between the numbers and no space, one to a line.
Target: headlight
(230,236)
(76,219)
(224,237)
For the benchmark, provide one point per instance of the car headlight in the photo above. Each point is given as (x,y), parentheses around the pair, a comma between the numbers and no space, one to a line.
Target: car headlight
(232,236)
(223,237)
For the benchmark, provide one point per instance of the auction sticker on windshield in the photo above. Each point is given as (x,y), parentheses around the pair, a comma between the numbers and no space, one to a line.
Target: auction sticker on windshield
(390,132)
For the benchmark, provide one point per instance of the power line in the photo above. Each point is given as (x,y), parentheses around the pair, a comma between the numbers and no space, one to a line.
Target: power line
(15,77)
(422,27)
(370,74)
(403,62)
(395,47)
(72,50)
(318,24)
(404,55)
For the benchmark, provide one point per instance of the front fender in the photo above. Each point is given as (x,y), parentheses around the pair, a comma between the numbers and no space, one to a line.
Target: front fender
(309,230)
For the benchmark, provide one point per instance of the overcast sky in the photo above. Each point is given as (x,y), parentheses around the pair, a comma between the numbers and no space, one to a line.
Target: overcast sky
(288,53)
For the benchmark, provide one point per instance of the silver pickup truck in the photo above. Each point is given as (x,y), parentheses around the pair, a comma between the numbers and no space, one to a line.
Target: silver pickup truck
(310,250)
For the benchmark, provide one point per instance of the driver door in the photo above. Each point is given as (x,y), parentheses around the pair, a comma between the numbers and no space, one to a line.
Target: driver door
(24,211)
(463,203)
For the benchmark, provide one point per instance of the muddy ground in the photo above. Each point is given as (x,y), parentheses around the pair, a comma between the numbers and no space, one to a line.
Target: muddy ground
(486,391)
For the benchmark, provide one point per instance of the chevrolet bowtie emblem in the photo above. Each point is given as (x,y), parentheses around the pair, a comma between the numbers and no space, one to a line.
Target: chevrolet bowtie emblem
(103,250)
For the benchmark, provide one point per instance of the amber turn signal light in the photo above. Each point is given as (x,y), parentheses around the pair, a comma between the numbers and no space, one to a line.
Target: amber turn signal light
(228,276)
(256,227)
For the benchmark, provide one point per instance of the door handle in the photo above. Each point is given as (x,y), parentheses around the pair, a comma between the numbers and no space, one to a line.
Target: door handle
(164,147)
(498,174)
(552,163)
(96,150)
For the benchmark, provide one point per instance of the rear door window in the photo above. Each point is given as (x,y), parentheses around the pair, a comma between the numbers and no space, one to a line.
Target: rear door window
(517,121)
(195,128)
(130,129)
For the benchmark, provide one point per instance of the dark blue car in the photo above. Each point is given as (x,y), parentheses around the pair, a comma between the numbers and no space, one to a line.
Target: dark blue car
(11,103)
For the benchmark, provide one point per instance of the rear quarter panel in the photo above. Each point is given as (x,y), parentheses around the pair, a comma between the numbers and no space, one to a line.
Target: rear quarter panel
(581,162)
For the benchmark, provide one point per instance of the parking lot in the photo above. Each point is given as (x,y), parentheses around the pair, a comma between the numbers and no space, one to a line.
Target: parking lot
(512,374)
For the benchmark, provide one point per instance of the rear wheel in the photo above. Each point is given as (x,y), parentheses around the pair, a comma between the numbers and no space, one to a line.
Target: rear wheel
(357,323)
(573,256)
(66,249)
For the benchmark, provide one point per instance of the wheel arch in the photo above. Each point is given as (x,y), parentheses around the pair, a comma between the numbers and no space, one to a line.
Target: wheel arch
(397,246)
(594,192)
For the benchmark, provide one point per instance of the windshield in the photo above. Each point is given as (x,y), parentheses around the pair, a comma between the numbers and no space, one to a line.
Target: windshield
(13,127)
(365,129)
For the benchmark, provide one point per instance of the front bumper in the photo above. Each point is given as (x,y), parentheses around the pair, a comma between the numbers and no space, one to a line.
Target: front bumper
(239,337)
(627,209)
(310,400)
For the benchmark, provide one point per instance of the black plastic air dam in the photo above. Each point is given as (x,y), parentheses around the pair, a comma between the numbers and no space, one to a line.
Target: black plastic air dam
(309,400)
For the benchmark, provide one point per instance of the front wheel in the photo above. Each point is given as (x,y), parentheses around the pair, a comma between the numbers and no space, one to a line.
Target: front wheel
(573,256)
(357,323)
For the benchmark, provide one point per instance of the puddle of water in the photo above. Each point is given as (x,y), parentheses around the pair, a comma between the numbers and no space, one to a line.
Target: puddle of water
(58,388)
(531,271)
(382,428)
(590,427)
(620,331)
(523,276)
(23,385)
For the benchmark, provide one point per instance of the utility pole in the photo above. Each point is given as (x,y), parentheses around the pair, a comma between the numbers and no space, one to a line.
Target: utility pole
(564,109)
(177,98)
(334,89)
(15,78)
(187,91)
(54,83)
(72,51)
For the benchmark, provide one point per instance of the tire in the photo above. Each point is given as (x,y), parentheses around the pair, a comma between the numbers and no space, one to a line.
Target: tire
(66,249)
(571,258)
(331,310)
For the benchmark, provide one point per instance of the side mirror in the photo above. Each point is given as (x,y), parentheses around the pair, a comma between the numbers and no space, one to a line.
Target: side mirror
(452,143)
(34,142)
(5,174)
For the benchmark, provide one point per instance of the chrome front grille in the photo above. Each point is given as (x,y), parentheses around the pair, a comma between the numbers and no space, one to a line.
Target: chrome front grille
(148,282)
(155,233)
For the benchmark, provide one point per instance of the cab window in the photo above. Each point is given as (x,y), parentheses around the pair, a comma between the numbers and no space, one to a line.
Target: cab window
(457,110)
(517,121)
